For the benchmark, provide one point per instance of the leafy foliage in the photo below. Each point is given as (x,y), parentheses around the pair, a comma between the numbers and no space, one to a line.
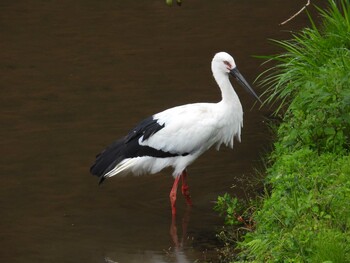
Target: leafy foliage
(229,207)
(306,215)
(307,204)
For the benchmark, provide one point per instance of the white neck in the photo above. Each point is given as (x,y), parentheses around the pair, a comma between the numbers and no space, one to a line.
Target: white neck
(228,94)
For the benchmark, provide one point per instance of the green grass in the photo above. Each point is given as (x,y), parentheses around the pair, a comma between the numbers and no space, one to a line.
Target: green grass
(304,216)
(308,202)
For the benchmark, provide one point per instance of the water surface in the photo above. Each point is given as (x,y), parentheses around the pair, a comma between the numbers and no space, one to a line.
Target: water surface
(75,76)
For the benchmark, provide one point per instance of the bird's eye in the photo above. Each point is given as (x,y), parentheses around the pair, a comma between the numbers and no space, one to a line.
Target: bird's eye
(227,64)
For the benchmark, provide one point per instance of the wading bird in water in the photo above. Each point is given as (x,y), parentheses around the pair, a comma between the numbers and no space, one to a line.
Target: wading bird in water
(178,136)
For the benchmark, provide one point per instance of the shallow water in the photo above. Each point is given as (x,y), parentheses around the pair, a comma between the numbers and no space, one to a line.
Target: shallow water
(75,76)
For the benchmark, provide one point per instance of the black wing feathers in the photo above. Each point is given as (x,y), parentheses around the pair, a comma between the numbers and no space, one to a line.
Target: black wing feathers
(147,128)
(129,147)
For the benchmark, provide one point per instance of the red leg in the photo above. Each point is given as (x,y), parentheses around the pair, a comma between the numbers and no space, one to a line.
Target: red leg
(173,195)
(185,188)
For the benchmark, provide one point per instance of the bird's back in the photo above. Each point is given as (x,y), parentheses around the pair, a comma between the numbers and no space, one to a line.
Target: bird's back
(195,127)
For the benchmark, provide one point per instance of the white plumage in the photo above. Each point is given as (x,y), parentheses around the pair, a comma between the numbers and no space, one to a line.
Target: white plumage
(177,136)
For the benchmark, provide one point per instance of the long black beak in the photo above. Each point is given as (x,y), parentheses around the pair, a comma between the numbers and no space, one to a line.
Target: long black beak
(234,72)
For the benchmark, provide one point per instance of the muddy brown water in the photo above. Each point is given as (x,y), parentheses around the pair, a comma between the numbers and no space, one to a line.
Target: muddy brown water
(76,75)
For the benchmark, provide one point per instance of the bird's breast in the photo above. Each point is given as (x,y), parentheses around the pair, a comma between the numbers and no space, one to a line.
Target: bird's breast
(231,116)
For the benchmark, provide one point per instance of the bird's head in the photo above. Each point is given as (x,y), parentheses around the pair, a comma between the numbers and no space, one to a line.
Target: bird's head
(225,64)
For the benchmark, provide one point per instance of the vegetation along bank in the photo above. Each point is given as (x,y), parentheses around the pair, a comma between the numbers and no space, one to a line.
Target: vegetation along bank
(304,213)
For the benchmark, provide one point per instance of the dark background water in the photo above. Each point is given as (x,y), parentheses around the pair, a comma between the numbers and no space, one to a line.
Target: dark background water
(76,75)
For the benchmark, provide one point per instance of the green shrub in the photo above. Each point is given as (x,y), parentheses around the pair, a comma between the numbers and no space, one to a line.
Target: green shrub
(310,195)
(319,115)
(230,208)
(305,216)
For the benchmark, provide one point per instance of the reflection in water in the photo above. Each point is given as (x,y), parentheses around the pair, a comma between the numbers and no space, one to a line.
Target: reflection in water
(173,229)
(175,254)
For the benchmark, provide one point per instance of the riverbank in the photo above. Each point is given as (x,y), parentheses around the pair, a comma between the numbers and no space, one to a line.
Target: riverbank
(304,213)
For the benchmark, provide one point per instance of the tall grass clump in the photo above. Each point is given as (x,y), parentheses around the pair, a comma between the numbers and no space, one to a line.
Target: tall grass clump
(304,216)
(314,71)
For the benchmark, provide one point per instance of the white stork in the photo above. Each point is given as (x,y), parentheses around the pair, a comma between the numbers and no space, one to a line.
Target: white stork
(178,136)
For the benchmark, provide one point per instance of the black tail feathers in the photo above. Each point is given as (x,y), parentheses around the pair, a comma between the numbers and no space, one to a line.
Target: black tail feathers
(102,178)
(107,160)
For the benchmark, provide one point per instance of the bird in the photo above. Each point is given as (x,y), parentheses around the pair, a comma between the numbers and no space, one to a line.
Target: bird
(177,136)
